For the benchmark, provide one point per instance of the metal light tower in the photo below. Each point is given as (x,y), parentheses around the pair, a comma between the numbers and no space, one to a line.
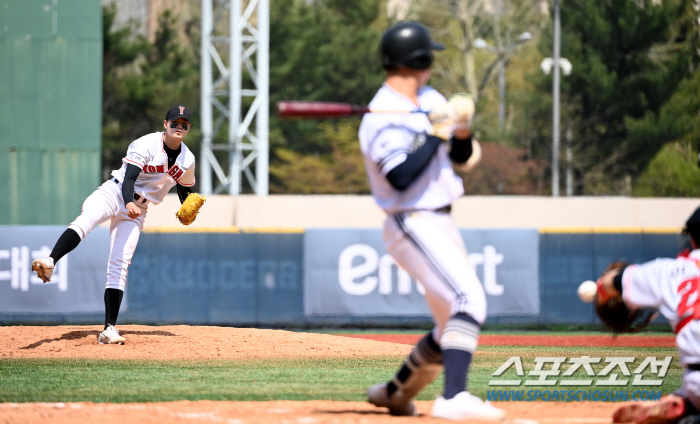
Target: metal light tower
(547,66)
(244,44)
(555,102)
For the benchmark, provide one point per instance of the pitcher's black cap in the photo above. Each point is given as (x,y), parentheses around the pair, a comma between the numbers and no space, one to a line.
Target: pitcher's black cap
(178,111)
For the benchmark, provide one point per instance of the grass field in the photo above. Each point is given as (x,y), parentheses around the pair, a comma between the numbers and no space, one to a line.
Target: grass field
(337,379)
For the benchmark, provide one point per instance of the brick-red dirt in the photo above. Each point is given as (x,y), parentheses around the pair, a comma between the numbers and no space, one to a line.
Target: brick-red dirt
(540,340)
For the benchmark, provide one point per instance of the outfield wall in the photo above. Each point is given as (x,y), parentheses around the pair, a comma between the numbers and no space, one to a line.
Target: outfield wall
(322,275)
(347,211)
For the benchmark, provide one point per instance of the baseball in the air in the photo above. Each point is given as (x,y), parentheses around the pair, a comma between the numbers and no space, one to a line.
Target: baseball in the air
(587,291)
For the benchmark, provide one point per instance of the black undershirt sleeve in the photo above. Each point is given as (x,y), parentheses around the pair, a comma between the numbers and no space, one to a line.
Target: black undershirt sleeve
(130,175)
(406,172)
(461,149)
(183,192)
(617,280)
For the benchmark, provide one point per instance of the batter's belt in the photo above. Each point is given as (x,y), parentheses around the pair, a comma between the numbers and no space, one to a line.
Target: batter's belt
(444,209)
(136,196)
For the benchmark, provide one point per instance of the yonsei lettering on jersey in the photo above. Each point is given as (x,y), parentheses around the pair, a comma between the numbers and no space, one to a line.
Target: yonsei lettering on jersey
(175,172)
(156,179)
(154,169)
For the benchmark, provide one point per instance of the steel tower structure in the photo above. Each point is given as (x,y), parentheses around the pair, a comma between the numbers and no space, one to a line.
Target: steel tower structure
(231,51)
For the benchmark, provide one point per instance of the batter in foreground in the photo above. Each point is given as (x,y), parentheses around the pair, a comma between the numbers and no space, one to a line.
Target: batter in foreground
(152,166)
(410,161)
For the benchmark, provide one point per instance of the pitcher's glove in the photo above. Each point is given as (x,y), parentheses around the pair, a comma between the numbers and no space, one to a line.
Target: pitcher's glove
(190,208)
(618,316)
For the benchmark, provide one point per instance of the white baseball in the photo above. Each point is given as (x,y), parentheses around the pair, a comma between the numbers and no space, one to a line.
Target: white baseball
(587,291)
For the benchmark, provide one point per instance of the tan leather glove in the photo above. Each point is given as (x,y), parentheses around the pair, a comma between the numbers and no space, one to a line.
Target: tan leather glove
(190,208)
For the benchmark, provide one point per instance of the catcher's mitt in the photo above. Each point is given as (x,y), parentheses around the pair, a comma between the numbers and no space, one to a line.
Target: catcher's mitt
(617,316)
(190,208)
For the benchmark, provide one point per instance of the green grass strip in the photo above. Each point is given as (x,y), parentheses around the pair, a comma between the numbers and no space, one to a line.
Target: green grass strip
(341,379)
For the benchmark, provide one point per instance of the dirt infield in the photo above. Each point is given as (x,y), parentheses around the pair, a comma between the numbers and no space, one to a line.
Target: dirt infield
(283,412)
(186,342)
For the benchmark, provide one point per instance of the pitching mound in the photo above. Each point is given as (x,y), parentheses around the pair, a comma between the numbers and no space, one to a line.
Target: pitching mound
(183,342)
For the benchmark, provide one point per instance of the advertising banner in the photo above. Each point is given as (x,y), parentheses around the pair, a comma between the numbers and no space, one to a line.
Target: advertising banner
(348,272)
(78,281)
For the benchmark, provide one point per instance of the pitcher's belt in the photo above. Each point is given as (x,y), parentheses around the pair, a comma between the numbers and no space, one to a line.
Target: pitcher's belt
(136,196)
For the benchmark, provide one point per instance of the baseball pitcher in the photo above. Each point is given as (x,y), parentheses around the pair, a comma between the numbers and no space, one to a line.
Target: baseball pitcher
(152,166)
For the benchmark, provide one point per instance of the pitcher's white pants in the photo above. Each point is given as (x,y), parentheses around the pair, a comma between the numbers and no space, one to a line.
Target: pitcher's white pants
(430,248)
(107,203)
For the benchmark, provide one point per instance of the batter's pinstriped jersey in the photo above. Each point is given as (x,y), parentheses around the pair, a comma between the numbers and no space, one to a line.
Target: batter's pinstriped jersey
(156,179)
(387,138)
(672,286)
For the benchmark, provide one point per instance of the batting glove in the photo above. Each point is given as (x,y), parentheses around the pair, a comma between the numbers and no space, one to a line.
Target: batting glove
(442,117)
(462,107)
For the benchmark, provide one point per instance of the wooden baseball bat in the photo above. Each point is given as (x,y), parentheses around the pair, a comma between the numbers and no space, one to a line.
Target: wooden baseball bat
(327,110)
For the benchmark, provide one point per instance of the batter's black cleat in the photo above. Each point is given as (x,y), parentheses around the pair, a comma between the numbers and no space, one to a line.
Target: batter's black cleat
(377,396)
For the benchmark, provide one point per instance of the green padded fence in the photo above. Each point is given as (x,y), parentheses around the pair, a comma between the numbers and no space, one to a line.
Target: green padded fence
(50,102)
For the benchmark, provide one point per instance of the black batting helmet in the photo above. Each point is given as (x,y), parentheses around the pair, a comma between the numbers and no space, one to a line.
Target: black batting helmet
(407,44)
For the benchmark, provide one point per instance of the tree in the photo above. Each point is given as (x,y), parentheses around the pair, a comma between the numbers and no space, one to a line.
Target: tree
(339,172)
(141,80)
(324,50)
(505,170)
(629,58)
(674,170)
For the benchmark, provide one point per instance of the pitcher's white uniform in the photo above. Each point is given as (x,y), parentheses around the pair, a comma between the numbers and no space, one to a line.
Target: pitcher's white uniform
(152,184)
(672,286)
(422,237)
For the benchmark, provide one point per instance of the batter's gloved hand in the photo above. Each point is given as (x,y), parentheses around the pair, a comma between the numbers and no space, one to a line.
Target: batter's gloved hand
(190,208)
(473,160)
(463,107)
(617,315)
(442,117)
